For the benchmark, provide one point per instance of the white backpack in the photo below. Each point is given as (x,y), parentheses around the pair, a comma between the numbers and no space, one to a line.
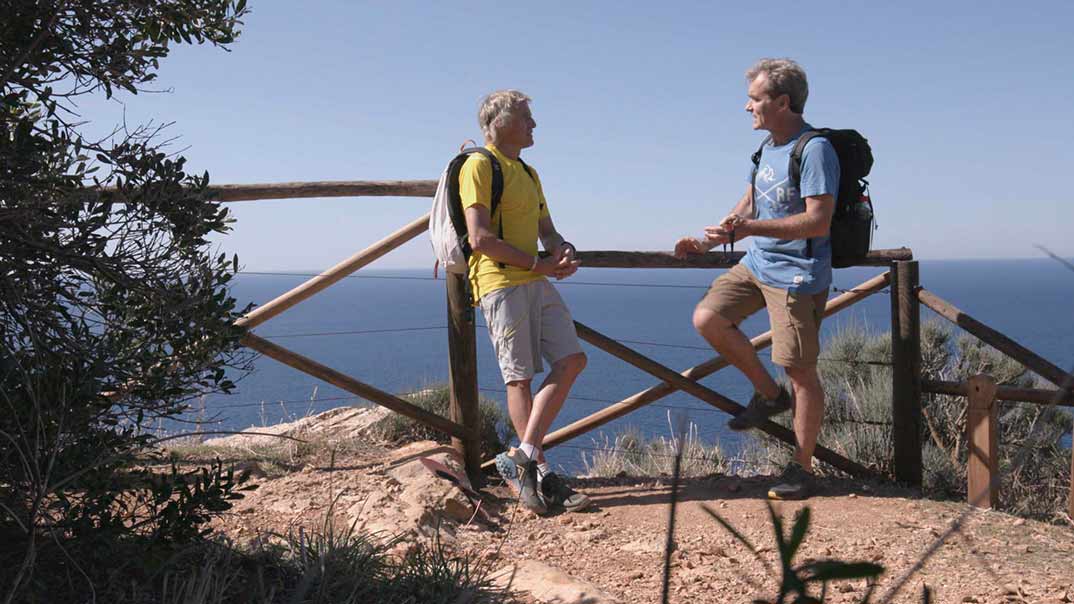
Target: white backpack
(447,223)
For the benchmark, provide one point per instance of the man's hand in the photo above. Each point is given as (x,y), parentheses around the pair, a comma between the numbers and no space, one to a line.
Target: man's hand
(731,229)
(690,245)
(559,265)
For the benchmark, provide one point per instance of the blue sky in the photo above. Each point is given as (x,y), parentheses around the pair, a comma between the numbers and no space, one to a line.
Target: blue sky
(641,136)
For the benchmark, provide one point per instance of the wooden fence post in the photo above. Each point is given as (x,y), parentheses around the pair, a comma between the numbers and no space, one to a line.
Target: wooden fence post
(906,372)
(982,432)
(462,351)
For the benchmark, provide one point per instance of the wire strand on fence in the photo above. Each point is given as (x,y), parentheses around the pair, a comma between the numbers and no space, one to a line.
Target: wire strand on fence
(352,332)
(558,283)
(436,327)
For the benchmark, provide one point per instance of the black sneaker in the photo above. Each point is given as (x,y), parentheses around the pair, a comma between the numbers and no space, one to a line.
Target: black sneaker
(556,491)
(760,409)
(793,483)
(526,471)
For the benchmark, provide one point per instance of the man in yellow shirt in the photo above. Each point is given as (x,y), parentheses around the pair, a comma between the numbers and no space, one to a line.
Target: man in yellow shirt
(526,317)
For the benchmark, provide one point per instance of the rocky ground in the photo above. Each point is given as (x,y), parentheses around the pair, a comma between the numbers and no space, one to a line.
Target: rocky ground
(613,552)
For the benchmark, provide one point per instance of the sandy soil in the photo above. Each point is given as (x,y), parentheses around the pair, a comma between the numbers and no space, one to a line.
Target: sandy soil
(618,543)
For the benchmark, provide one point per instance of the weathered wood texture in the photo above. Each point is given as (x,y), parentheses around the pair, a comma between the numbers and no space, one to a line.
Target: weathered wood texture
(618,259)
(1004,393)
(659,391)
(995,339)
(982,438)
(334,274)
(346,382)
(709,396)
(906,373)
(331,188)
(462,375)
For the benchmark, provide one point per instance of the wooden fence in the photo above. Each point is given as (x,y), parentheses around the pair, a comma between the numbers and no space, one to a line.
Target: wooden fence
(908,387)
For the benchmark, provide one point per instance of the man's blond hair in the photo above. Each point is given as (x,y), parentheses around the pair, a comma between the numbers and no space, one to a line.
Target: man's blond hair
(497,108)
(784,77)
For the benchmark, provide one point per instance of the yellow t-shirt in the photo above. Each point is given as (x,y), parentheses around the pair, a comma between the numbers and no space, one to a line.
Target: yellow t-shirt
(521,207)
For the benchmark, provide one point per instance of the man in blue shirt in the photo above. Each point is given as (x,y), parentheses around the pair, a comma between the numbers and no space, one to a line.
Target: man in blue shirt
(787,269)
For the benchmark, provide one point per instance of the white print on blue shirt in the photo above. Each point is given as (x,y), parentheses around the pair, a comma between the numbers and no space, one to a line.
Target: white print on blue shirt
(784,263)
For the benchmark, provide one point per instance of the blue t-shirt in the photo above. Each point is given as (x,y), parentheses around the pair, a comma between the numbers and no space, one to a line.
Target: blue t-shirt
(783,263)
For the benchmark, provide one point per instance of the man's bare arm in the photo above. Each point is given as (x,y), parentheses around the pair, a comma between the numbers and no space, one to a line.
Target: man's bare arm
(814,222)
(550,238)
(699,245)
(484,241)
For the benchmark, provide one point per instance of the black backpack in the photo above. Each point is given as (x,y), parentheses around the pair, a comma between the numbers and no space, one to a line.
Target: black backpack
(458,218)
(853,221)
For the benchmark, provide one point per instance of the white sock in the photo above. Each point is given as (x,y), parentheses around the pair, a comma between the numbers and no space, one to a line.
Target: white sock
(542,470)
(529,450)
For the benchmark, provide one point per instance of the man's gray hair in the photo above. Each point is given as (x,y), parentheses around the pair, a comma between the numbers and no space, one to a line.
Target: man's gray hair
(784,77)
(497,108)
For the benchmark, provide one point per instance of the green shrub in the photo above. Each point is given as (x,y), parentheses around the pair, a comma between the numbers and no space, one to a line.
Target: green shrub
(630,454)
(326,567)
(494,428)
(857,420)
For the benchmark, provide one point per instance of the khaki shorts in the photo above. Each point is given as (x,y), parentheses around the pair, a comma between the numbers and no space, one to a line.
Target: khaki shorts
(527,322)
(795,318)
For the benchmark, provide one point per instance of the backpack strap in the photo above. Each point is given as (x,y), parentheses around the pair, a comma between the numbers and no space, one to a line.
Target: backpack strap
(756,158)
(526,167)
(458,219)
(794,170)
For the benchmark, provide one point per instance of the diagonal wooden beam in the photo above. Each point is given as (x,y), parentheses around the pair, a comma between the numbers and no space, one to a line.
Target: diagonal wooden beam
(995,339)
(709,396)
(334,274)
(341,380)
(659,391)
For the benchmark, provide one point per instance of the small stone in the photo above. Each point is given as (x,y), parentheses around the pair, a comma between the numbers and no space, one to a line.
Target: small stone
(853,495)
(634,576)
(970,599)
(1019,522)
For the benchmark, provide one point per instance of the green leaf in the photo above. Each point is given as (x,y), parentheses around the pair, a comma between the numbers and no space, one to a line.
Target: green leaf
(832,570)
(737,535)
(798,532)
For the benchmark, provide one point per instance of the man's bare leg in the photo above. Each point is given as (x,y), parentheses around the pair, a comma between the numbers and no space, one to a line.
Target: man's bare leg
(550,397)
(734,346)
(808,412)
(532,416)
(519,404)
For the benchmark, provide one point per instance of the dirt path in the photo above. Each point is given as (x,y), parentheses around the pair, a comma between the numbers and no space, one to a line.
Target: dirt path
(618,544)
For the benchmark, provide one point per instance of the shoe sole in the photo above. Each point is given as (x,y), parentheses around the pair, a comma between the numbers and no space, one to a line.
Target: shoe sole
(748,424)
(777,497)
(578,508)
(509,472)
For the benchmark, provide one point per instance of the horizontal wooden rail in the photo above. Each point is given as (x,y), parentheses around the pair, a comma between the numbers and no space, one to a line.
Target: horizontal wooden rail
(331,188)
(616,259)
(1004,393)
(997,340)
(341,380)
(659,391)
(709,396)
(320,282)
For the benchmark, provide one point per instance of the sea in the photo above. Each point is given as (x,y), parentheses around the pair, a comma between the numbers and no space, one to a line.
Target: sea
(388,328)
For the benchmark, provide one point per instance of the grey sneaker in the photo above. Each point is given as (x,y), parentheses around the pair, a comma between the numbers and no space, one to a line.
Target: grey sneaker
(760,409)
(556,491)
(793,483)
(520,472)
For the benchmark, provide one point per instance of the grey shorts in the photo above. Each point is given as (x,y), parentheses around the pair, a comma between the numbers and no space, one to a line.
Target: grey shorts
(527,322)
